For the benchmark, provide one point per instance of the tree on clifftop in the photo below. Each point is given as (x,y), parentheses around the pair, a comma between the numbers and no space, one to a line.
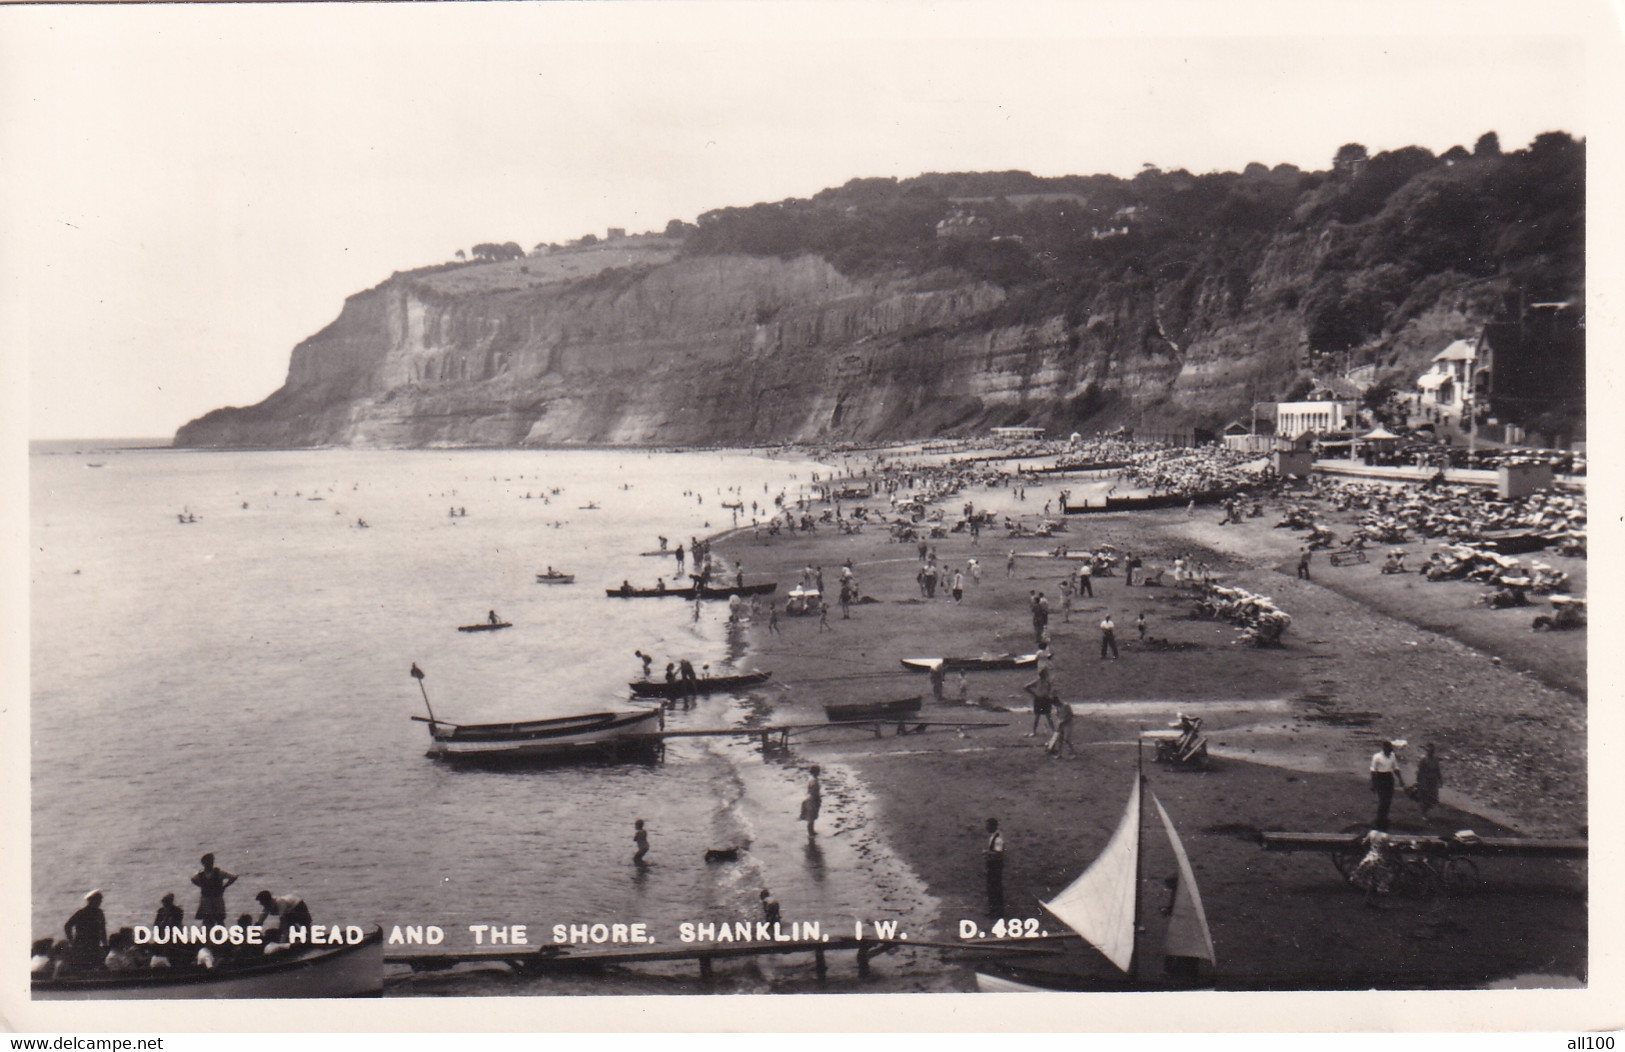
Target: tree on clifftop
(494,253)
(1348,159)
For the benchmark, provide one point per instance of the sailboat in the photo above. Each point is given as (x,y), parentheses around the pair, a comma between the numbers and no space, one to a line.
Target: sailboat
(1103,907)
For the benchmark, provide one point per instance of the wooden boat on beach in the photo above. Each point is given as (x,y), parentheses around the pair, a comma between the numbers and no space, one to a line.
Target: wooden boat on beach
(554,577)
(709,592)
(320,971)
(594,735)
(724,591)
(649,593)
(980,663)
(864,711)
(652,688)
(1148,503)
(485,626)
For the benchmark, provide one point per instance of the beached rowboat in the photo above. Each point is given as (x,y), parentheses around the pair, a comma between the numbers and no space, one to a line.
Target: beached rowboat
(981,663)
(598,733)
(335,971)
(712,592)
(649,593)
(854,712)
(651,688)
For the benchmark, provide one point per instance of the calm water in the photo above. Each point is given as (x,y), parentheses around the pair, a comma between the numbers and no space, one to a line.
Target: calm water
(239,685)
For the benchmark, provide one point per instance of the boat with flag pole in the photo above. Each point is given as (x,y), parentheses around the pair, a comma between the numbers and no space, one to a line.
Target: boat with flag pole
(1103,907)
(593,736)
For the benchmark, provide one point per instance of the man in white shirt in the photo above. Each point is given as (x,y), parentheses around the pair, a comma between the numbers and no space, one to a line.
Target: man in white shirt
(1384,773)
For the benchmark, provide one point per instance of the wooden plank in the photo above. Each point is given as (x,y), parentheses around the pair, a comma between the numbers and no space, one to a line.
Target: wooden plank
(1489,847)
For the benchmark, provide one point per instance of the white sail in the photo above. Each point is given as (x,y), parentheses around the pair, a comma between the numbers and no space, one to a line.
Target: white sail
(1100,904)
(1187,923)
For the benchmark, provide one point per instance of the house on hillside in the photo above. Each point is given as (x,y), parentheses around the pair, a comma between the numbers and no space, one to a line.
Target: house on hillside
(964,225)
(1449,380)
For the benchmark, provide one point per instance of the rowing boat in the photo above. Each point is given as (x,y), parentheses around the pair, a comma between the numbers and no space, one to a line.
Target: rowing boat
(652,688)
(709,592)
(333,971)
(981,663)
(598,734)
(859,711)
(724,591)
(485,626)
(649,593)
(554,577)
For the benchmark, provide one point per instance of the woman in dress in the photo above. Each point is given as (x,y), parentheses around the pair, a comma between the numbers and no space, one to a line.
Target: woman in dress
(212,883)
(1376,870)
(1429,778)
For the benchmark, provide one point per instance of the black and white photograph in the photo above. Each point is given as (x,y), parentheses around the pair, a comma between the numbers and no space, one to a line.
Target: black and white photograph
(653,501)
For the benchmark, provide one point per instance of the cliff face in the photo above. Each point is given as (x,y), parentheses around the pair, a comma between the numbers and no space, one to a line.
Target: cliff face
(734,349)
(1163,302)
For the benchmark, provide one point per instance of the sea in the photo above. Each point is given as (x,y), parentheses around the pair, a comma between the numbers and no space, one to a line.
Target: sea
(220,657)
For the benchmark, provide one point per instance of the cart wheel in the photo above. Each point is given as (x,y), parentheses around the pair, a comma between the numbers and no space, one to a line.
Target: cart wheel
(1347,857)
(1461,876)
(1416,877)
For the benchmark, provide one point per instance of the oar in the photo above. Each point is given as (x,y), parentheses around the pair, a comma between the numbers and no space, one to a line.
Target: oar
(417,674)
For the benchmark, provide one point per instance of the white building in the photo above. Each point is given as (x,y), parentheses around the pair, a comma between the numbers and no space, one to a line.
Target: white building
(1449,380)
(1295,418)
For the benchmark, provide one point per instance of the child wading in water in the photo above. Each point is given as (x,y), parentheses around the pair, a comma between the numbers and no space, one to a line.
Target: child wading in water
(641,838)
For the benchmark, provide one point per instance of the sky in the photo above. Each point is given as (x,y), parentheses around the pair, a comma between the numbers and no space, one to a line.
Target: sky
(187,191)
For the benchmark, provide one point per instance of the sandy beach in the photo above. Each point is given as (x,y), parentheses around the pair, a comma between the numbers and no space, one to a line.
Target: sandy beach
(1367,657)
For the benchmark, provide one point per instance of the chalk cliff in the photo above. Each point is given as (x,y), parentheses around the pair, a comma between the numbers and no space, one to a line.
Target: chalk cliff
(712,337)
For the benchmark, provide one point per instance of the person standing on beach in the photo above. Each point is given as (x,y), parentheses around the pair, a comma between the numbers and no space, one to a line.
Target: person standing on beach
(679,558)
(640,837)
(1043,694)
(1429,779)
(1130,564)
(1108,637)
(823,617)
(773,618)
(1139,623)
(813,802)
(959,587)
(1086,571)
(1303,563)
(975,569)
(1066,600)
(1062,738)
(1384,773)
(993,861)
(1010,564)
